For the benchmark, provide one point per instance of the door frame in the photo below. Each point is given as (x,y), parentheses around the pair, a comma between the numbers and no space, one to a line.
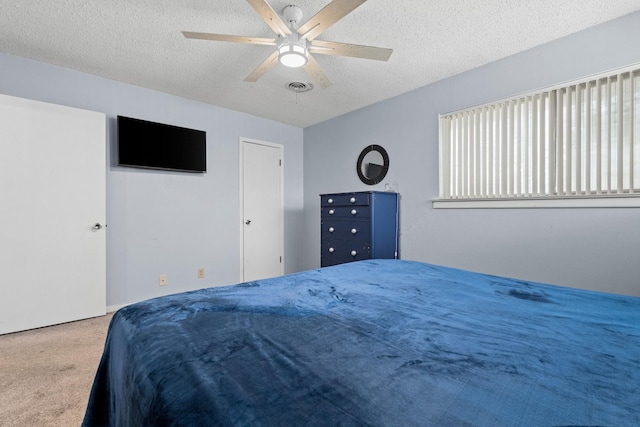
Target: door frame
(241,143)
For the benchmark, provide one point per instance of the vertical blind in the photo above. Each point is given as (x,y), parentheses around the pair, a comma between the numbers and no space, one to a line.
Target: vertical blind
(579,140)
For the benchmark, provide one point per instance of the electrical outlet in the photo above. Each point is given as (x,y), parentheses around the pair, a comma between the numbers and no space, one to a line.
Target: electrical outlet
(201,273)
(163,280)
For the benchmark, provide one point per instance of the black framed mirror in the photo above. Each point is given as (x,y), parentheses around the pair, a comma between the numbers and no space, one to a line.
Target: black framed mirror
(373,164)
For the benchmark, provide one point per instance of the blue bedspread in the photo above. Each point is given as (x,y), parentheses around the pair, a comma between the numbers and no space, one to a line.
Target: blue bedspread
(380,343)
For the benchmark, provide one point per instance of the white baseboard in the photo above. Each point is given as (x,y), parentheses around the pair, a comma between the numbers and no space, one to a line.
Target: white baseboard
(114,308)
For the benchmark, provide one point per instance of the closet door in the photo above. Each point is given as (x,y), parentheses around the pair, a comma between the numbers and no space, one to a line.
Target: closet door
(262,209)
(52,214)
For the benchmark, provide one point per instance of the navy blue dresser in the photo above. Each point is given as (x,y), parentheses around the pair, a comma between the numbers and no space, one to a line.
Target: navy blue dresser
(357,226)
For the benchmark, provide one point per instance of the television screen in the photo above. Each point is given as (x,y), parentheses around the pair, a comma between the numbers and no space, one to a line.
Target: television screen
(145,144)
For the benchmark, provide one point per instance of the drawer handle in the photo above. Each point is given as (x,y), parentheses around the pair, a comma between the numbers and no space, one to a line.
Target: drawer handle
(331,229)
(331,211)
(353,212)
(331,250)
(352,200)
(354,253)
(354,231)
(330,201)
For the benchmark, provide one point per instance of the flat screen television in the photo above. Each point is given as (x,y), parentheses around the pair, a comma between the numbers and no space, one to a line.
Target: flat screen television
(144,144)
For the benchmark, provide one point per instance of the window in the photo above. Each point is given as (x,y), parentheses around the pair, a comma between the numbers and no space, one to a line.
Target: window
(577,141)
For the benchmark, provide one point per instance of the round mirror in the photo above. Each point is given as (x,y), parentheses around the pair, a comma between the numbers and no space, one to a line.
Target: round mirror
(373,164)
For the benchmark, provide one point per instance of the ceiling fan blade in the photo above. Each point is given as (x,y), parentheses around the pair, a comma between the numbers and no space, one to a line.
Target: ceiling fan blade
(230,38)
(353,50)
(263,68)
(269,16)
(329,15)
(313,69)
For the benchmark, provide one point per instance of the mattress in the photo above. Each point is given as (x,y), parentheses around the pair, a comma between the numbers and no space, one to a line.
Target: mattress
(375,343)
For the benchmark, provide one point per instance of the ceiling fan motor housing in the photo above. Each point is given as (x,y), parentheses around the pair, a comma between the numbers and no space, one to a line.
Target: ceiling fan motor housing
(292,49)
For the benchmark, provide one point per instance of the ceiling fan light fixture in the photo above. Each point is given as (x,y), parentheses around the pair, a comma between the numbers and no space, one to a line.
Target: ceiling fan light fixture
(293,54)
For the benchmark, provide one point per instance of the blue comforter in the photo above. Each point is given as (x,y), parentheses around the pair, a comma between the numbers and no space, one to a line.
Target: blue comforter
(379,343)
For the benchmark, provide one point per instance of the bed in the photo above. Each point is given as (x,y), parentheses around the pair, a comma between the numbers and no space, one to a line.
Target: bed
(376,343)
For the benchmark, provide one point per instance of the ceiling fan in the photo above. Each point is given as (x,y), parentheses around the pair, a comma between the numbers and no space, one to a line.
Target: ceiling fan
(295,44)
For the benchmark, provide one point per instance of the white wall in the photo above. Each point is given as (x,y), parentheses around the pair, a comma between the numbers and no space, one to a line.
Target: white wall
(167,222)
(589,248)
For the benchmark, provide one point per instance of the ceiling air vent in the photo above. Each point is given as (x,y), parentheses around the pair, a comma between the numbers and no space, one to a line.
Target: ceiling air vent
(299,87)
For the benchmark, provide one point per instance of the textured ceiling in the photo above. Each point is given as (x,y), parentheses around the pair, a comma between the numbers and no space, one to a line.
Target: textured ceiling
(140,42)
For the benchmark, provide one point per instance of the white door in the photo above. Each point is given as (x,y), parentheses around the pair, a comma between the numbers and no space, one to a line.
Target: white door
(262,209)
(52,195)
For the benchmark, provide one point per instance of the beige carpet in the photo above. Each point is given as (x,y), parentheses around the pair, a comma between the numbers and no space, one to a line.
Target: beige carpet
(46,374)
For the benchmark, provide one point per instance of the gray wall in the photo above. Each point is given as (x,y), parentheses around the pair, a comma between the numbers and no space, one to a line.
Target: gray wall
(595,249)
(165,222)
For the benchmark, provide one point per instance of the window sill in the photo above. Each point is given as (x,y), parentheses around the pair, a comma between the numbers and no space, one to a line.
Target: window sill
(613,201)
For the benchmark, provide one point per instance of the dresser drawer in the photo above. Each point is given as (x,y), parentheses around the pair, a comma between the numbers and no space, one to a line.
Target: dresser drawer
(345,230)
(345,212)
(345,199)
(338,252)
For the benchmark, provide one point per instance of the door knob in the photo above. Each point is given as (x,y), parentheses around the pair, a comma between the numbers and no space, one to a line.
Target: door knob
(97,226)
(248,222)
